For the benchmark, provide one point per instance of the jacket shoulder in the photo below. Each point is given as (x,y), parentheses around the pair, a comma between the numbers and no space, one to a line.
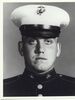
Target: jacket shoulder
(12,80)
(67,78)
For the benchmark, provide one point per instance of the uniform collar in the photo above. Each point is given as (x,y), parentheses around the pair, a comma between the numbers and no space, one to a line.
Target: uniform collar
(51,74)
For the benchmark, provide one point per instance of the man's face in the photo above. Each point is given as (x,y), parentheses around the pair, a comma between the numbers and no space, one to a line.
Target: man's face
(40,54)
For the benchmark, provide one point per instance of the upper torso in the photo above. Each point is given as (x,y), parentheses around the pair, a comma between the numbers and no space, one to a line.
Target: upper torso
(26,85)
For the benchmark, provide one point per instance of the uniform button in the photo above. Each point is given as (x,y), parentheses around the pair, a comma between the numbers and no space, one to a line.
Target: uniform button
(40,95)
(40,86)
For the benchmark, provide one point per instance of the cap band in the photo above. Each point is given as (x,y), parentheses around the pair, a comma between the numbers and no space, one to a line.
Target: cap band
(40,31)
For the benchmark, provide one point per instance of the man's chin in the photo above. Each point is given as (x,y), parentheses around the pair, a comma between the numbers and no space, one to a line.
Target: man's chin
(41,71)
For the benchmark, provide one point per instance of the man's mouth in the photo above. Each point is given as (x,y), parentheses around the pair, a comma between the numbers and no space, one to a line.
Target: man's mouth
(41,58)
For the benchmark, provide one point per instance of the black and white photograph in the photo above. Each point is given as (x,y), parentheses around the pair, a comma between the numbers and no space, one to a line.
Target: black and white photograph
(38,49)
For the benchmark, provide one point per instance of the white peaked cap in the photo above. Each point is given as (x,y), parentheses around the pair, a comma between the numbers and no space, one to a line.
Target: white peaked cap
(40,14)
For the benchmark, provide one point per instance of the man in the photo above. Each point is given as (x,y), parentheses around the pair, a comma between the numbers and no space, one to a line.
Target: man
(40,27)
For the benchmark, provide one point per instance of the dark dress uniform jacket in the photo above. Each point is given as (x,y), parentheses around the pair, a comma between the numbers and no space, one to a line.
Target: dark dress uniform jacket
(51,84)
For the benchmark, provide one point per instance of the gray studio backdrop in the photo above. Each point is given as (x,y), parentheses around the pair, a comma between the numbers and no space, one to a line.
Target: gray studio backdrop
(13,63)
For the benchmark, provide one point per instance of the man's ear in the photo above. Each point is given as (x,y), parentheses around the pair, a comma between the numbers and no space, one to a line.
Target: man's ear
(20,47)
(58,49)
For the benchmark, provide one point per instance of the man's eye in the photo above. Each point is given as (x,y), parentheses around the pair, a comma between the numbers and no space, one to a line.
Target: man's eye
(48,41)
(32,41)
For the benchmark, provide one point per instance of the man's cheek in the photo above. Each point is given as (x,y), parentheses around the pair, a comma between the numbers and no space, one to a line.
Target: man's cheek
(30,54)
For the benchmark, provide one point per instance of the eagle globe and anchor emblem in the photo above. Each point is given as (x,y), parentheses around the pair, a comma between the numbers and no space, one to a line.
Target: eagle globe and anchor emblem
(40,10)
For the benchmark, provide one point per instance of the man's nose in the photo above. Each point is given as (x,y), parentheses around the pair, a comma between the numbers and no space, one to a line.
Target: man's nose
(39,48)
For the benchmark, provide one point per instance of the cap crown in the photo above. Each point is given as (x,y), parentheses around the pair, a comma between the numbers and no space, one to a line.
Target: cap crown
(40,14)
